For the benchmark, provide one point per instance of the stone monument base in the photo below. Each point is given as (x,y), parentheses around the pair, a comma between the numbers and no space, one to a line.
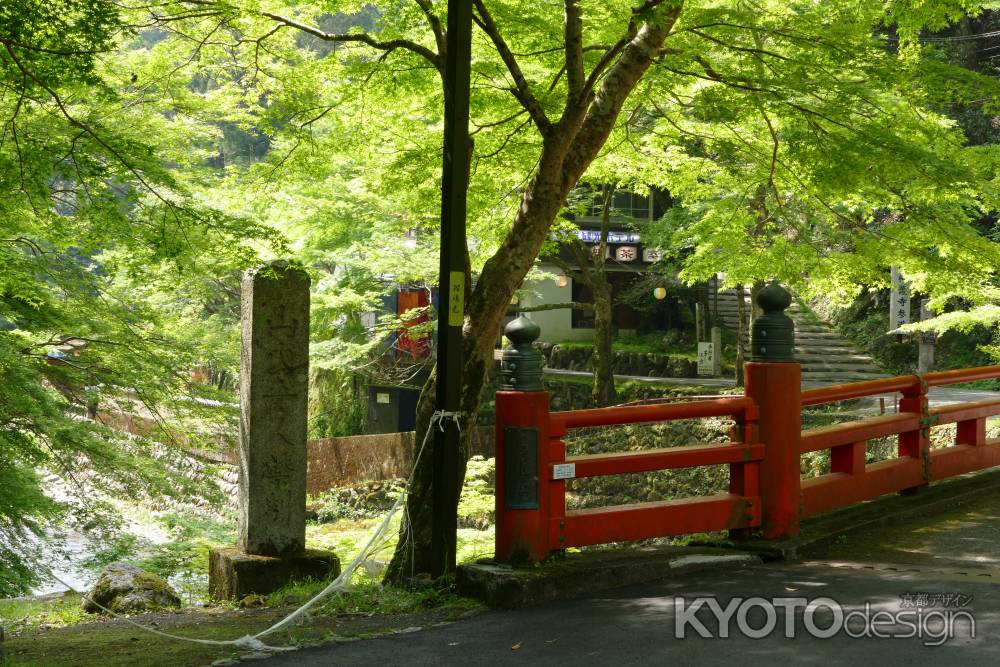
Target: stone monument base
(233,574)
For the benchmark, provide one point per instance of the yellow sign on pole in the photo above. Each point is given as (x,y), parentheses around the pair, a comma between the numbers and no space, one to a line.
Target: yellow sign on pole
(456,299)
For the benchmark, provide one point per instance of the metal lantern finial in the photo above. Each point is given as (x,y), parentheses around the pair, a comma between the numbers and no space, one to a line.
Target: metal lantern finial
(773,335)
(521,364)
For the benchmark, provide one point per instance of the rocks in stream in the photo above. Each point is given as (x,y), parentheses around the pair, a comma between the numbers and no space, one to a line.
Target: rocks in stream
(125,588)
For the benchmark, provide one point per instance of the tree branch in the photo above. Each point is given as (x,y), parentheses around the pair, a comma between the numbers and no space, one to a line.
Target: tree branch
(615,49)
(574,51)
(607,197)
(608,57)
(435,23)
(388,46)
(502,121)
(636,57)
(504,143)
(6,41)
(759,103)
(74,122)
(556,306)
(582,258)
(713,76)
(755,51)
(522,91)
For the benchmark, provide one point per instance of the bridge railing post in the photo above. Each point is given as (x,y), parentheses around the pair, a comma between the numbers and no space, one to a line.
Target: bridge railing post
(773,382)
(917,444)
(523,451)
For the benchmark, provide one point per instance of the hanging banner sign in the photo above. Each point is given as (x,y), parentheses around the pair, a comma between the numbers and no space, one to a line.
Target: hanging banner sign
(626,253)
(652,255)
(623,237)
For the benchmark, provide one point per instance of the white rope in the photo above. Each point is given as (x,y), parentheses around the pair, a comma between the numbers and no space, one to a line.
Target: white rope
(247,641)
(339,584)
(439,416)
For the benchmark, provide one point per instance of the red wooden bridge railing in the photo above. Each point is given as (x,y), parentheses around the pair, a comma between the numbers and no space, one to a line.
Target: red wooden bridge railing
(532,469)
(851,480)
(766,490)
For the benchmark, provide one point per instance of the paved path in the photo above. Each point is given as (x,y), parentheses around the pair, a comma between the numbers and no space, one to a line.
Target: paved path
(697,382)
(947,395)
(955,553)
(937,395)
(636,626)
(966,538)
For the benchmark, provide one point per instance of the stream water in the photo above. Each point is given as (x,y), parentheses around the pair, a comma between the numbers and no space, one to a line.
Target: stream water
(64,555)
(66,552)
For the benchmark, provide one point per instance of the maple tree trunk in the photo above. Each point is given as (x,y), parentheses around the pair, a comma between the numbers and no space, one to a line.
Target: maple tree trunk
(604,378)
(741,333)
(568,148)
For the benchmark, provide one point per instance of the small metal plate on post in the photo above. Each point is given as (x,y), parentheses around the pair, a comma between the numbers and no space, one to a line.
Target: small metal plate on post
(520,467)
(564,471)
(456,299)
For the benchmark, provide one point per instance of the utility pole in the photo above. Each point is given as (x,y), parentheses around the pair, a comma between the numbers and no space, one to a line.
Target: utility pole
(451,284)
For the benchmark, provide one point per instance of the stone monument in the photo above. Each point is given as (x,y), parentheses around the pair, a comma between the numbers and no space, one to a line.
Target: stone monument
(274,386)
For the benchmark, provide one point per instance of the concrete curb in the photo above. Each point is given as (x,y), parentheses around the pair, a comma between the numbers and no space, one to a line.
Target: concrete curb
(503,587)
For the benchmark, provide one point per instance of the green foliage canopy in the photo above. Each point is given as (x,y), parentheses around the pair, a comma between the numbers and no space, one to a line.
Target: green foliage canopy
(108,256)
(806,140)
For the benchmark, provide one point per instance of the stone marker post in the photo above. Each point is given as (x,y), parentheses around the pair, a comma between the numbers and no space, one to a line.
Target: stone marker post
(274,387)
(716,351)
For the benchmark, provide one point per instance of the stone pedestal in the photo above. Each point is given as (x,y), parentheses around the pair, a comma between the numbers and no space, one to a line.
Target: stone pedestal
(233,574)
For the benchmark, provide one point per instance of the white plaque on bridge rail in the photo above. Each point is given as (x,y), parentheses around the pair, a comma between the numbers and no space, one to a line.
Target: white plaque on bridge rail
(564,471)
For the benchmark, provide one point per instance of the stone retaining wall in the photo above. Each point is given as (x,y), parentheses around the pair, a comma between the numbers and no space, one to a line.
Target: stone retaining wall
(330,462)
(625,363)
(333,462)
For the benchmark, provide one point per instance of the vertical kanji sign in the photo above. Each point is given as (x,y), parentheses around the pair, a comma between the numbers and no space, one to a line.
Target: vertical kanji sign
(706,359)
(456,299)
(899,301)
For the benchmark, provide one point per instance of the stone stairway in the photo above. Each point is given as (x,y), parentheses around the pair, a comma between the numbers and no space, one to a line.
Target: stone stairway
(825,355)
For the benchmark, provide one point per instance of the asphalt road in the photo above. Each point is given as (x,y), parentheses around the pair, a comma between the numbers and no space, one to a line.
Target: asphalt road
(637,625)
